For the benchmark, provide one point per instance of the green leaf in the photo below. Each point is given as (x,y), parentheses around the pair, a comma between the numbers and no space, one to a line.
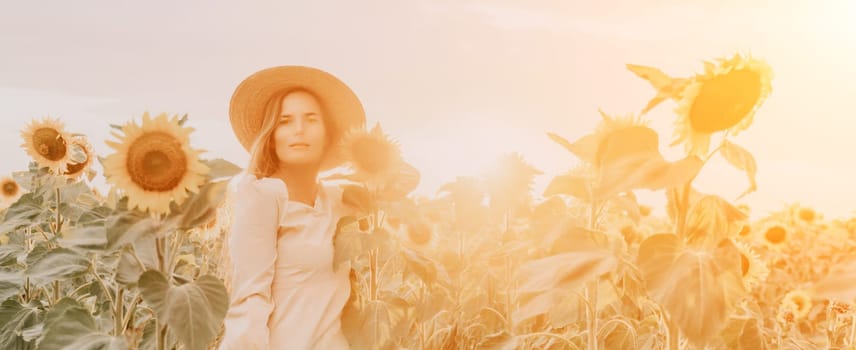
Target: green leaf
(657,255)
(57,264)
(130,227)
(10,253)
(572,185)
(22,213)
(129,270)
(421,265)
(565,271)
(627,203)
(585,148)
(667,87)
(10,283)
(220,168)
(70,326)
(698,288)
(344,221)
(358,197)
(202,208)
(14,319)
(711,220)
(348,245)
(193,311)
(94,237)
(741,159)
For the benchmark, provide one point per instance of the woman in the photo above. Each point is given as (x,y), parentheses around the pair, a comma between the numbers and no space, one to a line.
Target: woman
(284,291)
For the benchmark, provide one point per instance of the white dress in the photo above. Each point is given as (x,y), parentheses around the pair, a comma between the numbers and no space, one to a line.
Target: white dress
(285,294)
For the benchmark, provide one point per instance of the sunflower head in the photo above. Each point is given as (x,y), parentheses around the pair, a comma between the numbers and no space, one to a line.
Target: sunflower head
(373,156)
(154,163)
(775,235)
(81,147)
(419,232)
(46,141)
(798,302)
(724,98)
(9,188)
(754,270)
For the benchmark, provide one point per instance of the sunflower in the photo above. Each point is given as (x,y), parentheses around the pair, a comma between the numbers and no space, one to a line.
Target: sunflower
(374,157)
(154,163)
(46,142)
(797,302)
(775,235)
(724,98)
(75,170)
(10,191)
(419,232)
(510,179)
(754,270)
(624,155)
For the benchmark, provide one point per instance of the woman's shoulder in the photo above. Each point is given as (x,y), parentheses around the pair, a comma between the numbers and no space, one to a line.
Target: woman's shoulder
(251,185)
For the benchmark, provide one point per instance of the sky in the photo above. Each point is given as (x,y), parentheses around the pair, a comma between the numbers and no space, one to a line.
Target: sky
(456,83)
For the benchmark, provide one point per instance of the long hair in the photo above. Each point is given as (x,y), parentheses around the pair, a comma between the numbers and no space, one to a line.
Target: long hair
(263,159)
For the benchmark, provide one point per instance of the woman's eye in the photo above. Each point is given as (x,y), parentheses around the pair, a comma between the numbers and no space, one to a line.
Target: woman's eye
(284,120)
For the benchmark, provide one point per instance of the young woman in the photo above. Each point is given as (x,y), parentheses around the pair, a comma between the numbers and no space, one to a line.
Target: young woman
(284,291)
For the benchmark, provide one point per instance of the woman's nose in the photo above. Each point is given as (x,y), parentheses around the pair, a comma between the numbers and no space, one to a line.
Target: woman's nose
(299,126)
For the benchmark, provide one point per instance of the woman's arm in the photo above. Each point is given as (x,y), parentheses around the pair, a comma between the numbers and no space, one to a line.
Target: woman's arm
(252,247)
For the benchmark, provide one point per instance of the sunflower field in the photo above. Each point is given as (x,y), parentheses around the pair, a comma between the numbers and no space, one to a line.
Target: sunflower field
(483,264)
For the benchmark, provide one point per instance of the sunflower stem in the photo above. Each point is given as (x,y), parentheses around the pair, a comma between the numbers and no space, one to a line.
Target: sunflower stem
(179,240)
(58,224)
(118,312)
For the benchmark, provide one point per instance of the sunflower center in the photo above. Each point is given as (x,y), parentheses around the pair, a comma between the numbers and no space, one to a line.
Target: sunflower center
(419,233)
(775,235)
(806,214)
(744,264)
(724,100)
(157,162)
(49,144)
(10,189)
(74,168)
(799,302)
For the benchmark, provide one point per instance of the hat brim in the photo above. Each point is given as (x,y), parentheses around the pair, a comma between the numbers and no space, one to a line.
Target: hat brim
(246,109)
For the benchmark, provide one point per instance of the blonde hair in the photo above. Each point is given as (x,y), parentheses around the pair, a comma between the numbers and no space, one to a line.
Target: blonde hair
(263,159)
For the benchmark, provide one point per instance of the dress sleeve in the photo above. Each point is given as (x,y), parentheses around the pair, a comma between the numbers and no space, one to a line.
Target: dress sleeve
(252,249)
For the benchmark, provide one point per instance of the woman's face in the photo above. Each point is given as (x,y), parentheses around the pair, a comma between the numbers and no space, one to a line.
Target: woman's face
(300,137)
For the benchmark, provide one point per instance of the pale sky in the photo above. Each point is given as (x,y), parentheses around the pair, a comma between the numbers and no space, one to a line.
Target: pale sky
(457,83)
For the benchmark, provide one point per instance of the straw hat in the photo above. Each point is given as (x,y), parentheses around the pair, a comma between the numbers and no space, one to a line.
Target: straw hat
(343,108)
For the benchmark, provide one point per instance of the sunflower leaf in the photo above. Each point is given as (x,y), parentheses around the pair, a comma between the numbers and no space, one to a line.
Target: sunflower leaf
(194,311)
(202,208)
(711,220)
(14,318)
(572,185)
(741,159)
(697,287)
(565,271)
(69,325)
(56,264)
(358,197)
(585,148)
(220,168)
